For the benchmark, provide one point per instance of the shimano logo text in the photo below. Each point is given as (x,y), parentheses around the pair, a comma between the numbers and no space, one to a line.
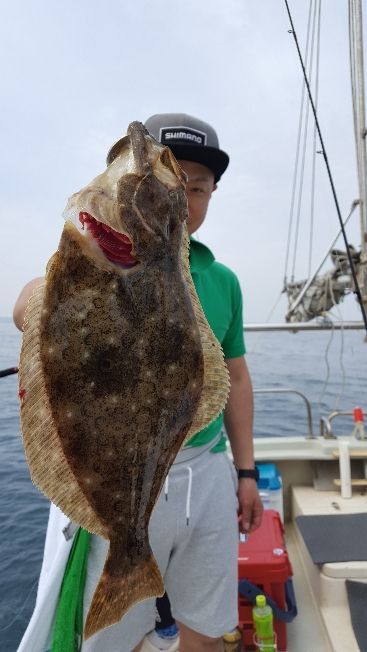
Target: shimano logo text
(182,134)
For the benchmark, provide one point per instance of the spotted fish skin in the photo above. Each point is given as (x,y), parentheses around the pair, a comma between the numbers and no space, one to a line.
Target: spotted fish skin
(124,380)
(124,368)
(118,367)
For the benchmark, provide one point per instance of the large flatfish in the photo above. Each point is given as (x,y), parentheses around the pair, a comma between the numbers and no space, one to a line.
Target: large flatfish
(118,364)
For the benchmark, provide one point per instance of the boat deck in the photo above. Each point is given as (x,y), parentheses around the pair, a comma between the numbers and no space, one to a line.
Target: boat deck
(325,583)
(323,623)
(307,632)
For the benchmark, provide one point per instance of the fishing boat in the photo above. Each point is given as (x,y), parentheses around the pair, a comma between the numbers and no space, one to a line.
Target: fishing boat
(323,477)
(324,506)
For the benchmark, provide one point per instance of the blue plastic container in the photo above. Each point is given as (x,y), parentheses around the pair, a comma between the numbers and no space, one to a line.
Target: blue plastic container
(271,487)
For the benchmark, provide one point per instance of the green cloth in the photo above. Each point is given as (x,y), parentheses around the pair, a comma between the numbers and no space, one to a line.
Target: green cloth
(220,296)
(68,625)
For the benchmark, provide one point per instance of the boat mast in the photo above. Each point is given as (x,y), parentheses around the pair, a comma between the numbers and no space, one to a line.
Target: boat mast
(358,92)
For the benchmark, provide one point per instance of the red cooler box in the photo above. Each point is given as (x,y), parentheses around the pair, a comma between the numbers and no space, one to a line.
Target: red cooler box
(264,567)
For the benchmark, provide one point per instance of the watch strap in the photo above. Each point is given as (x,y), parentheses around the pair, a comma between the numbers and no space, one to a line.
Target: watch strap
(249,473)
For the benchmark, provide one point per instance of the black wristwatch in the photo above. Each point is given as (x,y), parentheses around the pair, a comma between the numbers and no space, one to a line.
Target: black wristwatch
(249,473)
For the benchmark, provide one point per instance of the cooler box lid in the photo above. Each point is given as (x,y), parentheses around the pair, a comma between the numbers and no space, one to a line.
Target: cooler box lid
(264,553)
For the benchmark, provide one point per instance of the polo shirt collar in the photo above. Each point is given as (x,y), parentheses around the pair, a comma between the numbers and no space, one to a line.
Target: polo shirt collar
(200,256)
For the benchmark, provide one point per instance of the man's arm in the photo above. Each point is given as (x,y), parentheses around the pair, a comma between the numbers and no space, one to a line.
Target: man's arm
(22,301)
(238,420)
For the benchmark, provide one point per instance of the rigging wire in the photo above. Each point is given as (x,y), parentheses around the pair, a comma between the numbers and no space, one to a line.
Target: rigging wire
(304,150)
(295,174)
(356,290)
(326,357)
(341,363)
(314,151)
(341,353)
(302,293)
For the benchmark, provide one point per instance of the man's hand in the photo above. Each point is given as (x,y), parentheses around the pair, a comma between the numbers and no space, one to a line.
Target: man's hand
(250,507)
(22,301)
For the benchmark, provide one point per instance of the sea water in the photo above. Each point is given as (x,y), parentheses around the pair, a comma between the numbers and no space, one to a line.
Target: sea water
(329,370)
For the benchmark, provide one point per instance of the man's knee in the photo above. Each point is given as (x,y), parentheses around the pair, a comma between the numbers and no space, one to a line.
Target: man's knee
(138,647)
(192,640)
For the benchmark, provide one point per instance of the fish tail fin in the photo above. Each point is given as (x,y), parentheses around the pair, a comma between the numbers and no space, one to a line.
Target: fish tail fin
(117,592)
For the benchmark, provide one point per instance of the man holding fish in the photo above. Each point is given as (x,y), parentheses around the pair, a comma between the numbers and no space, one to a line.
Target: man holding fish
(148,304)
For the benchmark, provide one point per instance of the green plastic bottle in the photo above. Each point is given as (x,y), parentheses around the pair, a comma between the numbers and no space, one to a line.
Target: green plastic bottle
(262,616)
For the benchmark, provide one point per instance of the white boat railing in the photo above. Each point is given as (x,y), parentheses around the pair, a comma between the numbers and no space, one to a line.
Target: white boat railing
(306,326)
(325,423)
(289,390)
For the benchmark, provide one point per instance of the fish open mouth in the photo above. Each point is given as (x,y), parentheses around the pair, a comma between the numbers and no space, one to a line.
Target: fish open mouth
(115,246)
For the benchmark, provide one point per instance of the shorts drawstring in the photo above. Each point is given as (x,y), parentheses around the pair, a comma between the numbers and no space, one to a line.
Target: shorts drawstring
(69,530)
(166,487)
(188,496)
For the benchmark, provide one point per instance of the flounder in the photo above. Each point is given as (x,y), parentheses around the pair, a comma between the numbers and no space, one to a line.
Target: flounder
(118,365)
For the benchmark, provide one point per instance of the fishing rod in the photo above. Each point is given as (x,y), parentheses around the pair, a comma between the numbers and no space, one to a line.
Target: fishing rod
(357,290)
(8,372)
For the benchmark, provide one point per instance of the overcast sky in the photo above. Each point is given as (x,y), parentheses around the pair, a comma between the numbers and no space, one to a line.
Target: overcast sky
(75,73)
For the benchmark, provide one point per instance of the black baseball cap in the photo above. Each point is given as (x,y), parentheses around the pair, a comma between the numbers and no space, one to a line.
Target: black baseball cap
(190,139)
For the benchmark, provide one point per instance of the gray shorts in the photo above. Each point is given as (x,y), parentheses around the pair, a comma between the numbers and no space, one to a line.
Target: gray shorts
(193,533)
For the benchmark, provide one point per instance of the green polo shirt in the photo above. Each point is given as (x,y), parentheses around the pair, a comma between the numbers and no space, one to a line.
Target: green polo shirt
(220,296)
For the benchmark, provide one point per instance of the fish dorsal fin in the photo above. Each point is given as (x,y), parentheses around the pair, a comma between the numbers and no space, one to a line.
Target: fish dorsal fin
(49,469)
(216,378)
